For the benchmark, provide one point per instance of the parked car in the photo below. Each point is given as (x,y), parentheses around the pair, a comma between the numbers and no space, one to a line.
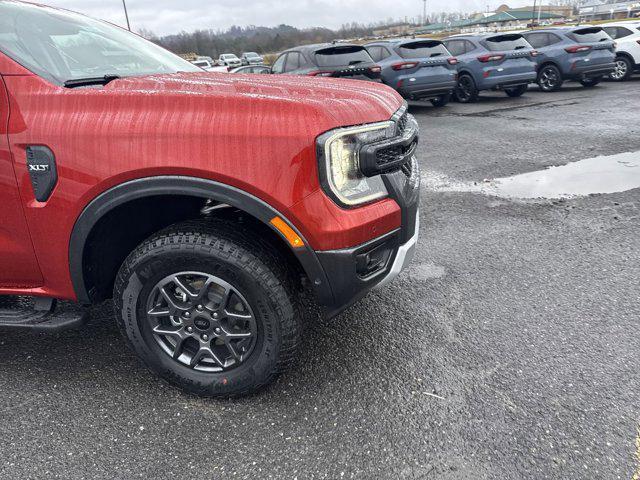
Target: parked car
(204,64)
(328,60)
(627,38)
(209,217)
(583,54)
(419,69)
(252,69)
(207,58)
(251,58)
(492,62)
(229,60)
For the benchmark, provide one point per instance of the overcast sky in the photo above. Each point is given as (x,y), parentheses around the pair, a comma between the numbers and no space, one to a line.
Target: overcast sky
(172,16)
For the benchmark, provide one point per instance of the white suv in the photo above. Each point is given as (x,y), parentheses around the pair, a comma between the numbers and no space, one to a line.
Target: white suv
(230,60)
(627,37)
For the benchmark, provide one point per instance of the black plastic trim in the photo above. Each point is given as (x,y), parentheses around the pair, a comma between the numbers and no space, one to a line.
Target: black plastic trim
(592,71)
(425,91)
(369,153)
(341,269)
(183,185)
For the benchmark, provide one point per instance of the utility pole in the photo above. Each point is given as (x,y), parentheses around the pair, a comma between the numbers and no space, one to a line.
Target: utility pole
(533,14)
(126,14)
(424,12)
(539,12)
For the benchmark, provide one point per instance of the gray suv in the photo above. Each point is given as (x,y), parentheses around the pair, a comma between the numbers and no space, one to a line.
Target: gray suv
(492,62)
(419,69)
(337,60)
(584,54)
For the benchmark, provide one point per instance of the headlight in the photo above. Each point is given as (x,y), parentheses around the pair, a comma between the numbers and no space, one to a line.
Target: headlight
(340,164)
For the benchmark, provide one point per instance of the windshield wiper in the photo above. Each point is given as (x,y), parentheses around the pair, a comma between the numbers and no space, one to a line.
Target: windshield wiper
(83,82)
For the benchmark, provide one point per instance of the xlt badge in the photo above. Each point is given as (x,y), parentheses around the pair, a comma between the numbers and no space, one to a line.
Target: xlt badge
(42,169)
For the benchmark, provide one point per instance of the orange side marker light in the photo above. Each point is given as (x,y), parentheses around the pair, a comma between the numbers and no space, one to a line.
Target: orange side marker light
(292,237)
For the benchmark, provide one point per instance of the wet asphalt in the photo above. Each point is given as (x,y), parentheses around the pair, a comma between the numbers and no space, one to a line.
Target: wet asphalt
(509,349)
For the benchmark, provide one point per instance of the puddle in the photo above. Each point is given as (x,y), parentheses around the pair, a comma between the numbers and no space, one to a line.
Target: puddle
(605,174)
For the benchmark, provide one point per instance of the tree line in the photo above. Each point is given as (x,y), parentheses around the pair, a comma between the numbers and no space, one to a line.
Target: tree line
(252,39)
(266,40)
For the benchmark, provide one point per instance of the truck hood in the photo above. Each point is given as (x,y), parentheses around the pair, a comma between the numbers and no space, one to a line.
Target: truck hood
(346,102)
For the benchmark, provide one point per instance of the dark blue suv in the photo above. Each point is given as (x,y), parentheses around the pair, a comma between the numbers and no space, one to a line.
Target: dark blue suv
(585,54)
(492,62)
(418,68)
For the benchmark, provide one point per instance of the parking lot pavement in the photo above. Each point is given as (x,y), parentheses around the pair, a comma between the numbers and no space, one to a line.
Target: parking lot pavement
(509,349)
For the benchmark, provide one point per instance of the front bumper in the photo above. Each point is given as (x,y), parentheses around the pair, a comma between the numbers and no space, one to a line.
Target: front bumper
(353,272)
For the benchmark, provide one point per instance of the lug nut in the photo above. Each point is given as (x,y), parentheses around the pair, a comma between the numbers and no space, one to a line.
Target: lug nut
(186,314)
(199,307)
(215,315)
(205,337)
(218,330)
(190,329)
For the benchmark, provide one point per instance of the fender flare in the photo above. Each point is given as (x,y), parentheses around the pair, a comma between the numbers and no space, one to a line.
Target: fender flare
(191,186)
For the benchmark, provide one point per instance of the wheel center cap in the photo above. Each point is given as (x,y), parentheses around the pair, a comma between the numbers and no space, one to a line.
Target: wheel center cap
(202,323)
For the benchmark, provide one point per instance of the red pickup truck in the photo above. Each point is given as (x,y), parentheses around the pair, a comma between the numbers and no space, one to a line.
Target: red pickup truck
(204,204)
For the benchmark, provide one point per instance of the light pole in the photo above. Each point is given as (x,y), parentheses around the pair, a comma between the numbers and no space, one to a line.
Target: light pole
(126,14)
(424,12)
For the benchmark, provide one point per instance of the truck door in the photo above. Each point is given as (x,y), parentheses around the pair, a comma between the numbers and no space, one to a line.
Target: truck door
(18,264)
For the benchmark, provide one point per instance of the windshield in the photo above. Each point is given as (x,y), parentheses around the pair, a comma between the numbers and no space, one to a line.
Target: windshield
(61,46)
(250,55)
(229,56)
(341,56)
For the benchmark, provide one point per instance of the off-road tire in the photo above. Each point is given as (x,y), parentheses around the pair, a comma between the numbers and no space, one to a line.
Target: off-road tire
(215,247)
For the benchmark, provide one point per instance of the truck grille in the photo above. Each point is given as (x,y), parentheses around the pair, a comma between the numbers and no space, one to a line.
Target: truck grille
(402,123)
(390,155)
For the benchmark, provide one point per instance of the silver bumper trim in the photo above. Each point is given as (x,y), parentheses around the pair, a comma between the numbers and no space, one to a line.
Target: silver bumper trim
(403,257)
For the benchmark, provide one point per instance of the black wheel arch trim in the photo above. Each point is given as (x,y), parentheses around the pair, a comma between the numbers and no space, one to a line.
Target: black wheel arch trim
(193,186)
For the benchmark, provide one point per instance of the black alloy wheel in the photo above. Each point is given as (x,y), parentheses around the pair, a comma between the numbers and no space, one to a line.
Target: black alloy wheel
(202,321)
(466,91)
(549,78)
